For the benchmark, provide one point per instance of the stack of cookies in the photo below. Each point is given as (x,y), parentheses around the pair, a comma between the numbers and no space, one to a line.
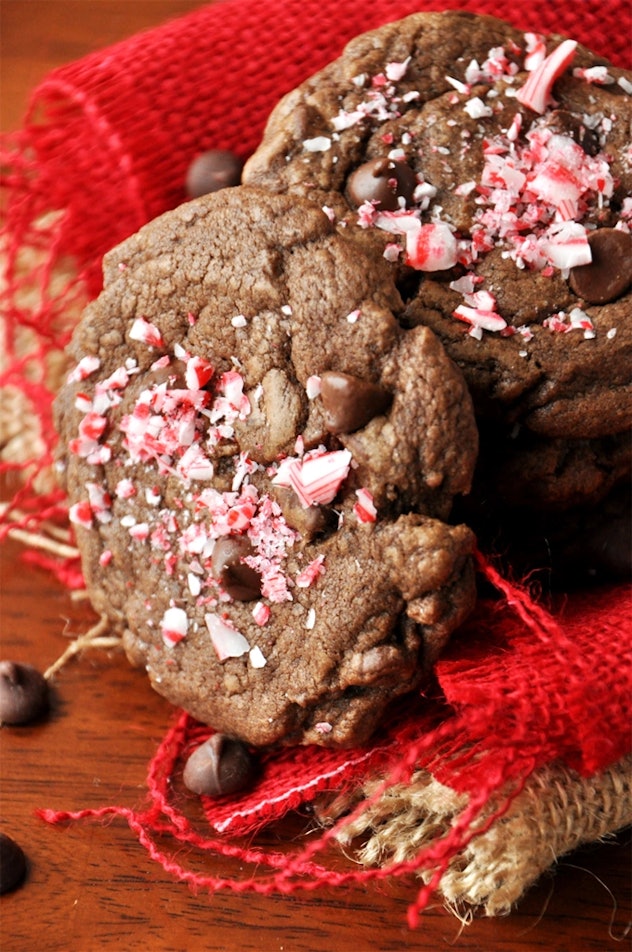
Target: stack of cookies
(299,401)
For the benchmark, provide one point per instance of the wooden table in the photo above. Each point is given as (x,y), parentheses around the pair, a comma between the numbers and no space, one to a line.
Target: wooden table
(91,886)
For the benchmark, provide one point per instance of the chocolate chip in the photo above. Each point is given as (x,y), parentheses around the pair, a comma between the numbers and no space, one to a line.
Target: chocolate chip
(350,402)
(312,521)
(238,579)
(588,139)
(384,182)
(212,171)
(23,693)
(219,766)
(12,864)
(609,274)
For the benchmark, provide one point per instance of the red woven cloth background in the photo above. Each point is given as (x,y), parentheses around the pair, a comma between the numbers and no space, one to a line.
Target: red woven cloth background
(104,148)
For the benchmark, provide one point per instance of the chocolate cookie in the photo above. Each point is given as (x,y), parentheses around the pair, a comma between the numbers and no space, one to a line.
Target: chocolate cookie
(493,170)
(259,459)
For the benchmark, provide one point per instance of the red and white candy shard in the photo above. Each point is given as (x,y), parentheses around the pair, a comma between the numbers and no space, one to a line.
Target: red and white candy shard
(433,248)
(317,477)
(479,312)
(535,51)
(429,247)
(311,572)
(197,373)
(566,245)
(146,332)
(80,514)
(261,613)
(227,641)
(174,626)
(364,508)
(86,366)
(536,92)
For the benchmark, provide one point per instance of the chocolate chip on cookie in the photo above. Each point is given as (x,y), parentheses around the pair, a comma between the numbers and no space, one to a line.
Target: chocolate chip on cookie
(211,171)
(608,275)
(383,182)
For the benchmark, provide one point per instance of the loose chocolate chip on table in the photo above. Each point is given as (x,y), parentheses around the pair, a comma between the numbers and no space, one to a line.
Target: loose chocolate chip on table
(12,864)
(221,765)
(212,171)
(384,182)
(23,693)
(350,402)
(241,581)
(609,274)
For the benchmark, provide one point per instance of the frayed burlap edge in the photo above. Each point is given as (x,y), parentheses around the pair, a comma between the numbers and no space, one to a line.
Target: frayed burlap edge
(557,811)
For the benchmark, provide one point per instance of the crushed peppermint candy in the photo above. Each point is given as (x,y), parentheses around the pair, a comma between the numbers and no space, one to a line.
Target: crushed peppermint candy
(625,85)
(198,372)
(317,144)
(194,584)
(429,247)
(432,248)
(535,54)
(100,502)
(256,658)
(496,65)
(174,626)
(594,74)
(261,613)
(532,197)
(80,514)
(565,245)
(312,387)
(397,71)
(125,488)
(146,332)
(536,92)
(562,323)
(227,641)
(477,109)
(86,366)
(323,727)
(311,572)
(392,252)
(139,531)
(316,477)
(364,509)
(480,313)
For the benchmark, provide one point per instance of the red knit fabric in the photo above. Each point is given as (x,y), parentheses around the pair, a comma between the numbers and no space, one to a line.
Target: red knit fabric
(104,148)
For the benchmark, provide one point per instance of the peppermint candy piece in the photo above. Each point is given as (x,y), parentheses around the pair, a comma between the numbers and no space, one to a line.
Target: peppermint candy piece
(536,92)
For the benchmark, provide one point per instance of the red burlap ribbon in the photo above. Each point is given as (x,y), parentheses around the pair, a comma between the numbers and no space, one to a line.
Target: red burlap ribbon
(104,148)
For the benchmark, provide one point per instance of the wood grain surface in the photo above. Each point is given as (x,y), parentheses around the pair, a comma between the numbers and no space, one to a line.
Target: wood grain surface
(91,886)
